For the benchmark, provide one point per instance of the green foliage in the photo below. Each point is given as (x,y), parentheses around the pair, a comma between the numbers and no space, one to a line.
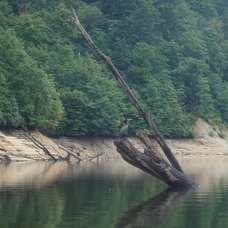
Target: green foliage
(5,14)
(146,61)
(191,75)
(31,89)
(222,103)
(92,101)
(167,108)
(31,30)
(9,112)
(173,55)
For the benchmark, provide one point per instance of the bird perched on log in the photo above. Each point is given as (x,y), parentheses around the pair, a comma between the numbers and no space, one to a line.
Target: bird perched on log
(124,129)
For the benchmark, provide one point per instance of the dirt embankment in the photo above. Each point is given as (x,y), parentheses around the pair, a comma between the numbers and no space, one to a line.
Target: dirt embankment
(20,145)
(23,145)
(208,140)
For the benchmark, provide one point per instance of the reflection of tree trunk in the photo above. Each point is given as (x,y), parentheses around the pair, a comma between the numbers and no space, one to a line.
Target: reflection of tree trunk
(153,211)
(138,160)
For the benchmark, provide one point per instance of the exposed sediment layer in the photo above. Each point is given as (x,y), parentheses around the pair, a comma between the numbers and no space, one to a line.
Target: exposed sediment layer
(21,145)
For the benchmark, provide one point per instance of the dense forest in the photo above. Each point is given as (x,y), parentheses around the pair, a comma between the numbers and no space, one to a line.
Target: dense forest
(172,54)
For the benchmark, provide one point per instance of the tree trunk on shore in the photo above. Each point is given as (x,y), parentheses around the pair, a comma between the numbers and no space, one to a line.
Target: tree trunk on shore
(149,161)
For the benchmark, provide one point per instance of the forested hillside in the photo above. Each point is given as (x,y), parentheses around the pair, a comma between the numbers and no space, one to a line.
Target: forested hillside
(173,55)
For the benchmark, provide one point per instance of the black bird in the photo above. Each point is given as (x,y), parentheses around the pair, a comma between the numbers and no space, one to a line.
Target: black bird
(124,129)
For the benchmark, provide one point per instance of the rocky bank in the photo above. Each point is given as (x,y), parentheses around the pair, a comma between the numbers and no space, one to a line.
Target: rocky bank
(23,145)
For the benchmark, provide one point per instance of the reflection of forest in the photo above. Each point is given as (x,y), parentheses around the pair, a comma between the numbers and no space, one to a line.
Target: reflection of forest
(44,194)
(47,194)
(25,209)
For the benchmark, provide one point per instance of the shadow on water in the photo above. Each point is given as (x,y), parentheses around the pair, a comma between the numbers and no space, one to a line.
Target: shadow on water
(155,210)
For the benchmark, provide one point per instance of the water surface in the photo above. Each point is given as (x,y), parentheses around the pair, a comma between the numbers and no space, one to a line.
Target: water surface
(111,194)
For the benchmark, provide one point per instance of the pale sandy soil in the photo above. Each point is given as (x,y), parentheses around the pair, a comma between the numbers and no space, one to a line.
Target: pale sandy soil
(207,141)
(17,145)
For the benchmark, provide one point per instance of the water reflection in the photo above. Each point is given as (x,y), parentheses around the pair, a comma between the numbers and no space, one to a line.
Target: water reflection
(208,172)
(39,174)
(203,170)
(30,175)
(111,194)
(154,211)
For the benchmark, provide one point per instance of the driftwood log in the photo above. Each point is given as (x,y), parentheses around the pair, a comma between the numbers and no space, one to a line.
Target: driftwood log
(152,162)
(148,161)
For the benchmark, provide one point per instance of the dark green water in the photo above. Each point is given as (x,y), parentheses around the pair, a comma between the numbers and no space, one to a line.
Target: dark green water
(111,194)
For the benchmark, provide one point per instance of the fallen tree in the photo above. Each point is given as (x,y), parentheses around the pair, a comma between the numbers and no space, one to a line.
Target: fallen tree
(152,162)
(149,161)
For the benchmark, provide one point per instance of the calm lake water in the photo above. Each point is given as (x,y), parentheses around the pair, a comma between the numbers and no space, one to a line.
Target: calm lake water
(111,194)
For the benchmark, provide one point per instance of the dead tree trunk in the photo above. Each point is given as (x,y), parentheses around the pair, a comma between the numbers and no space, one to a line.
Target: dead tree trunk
(153,129)
(152,162)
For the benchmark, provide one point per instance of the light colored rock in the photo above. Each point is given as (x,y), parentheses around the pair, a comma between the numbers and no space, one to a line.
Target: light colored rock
(100,145)
(19,145)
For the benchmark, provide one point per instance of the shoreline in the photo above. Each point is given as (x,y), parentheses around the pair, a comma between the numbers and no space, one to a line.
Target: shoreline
(20,145)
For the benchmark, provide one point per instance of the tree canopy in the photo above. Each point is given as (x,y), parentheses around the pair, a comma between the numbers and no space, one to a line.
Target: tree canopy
(173,55)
